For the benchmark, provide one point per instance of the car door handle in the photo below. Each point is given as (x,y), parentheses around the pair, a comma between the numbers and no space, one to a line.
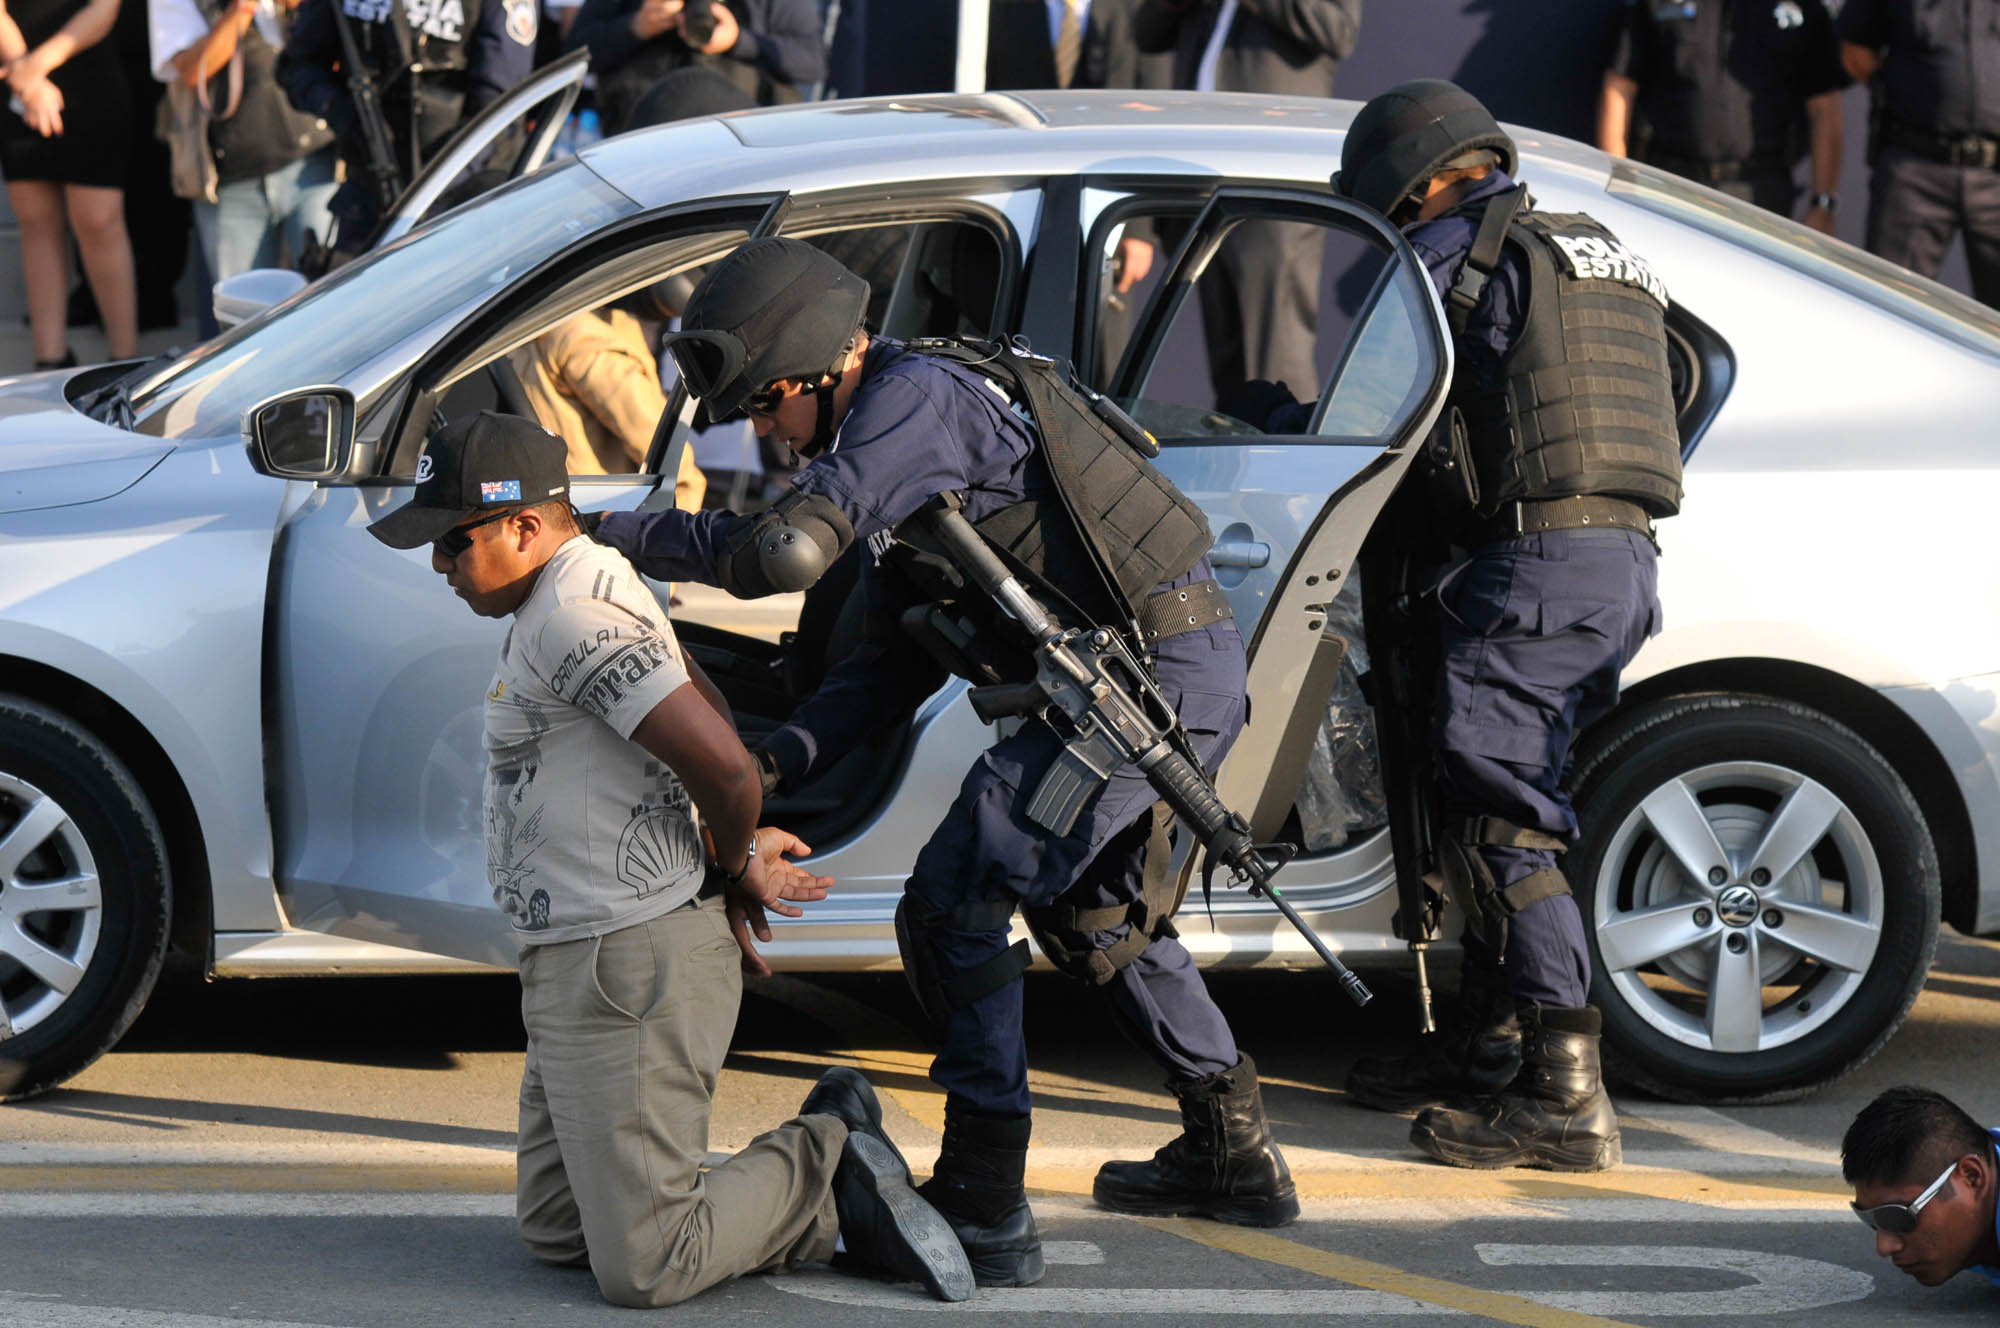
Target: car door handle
(1240,553)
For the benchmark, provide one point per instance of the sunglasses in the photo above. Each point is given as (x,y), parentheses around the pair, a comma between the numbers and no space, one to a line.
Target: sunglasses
(1901,1219)
(459,538)
(766,402)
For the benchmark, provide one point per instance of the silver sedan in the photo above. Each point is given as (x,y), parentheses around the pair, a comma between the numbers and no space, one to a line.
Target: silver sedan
(232,724)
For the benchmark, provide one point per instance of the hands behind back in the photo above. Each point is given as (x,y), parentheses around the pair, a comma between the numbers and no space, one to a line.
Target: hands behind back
(774,883)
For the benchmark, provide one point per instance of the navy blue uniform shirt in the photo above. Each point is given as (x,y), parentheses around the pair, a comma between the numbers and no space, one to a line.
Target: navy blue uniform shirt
(917,426)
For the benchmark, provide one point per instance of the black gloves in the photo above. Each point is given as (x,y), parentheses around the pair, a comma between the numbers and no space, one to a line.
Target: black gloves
(588,522)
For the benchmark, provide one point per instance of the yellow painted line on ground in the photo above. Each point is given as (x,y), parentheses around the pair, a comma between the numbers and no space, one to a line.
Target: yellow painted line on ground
(496,1179)
(1415,1186)
(1264,1246)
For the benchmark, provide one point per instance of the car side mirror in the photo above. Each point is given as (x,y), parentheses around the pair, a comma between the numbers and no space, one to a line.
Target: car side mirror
(304,435)
(242,297)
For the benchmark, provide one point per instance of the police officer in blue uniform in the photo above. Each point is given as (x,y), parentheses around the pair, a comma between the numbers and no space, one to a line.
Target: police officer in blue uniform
(1558,452)
(1936,147)
(436,64)
(1730,93)
(775,330)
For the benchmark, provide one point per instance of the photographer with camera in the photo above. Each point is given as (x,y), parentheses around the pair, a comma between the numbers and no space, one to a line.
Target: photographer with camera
(764,47)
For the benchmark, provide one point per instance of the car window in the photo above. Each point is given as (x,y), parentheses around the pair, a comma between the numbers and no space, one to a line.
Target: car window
(583,360)
(372,305)
(1187,382)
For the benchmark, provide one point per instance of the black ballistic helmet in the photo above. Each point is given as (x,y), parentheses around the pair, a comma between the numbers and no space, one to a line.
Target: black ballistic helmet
(1404,136)
(774,308)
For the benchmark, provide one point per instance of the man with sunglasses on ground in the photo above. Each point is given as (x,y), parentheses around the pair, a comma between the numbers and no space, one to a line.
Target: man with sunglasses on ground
(1924,1181)
(610,759)
(775,331)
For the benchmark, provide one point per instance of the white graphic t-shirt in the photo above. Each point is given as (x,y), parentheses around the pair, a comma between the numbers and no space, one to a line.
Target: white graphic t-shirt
(586,832)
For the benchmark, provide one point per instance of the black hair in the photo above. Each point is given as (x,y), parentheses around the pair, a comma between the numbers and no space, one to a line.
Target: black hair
(556,513)
(1908,1133)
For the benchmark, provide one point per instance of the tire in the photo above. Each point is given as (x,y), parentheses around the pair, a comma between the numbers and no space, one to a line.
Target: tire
(71,812)
(1717,771)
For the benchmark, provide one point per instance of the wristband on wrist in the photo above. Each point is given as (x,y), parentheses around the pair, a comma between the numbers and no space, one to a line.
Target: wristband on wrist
(1831,202)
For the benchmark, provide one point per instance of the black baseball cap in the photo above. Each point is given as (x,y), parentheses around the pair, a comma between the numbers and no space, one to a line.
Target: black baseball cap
(477,464)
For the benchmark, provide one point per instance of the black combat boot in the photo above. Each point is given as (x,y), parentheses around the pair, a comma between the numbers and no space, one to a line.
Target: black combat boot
(1473,1055)
(1555,1114)
(979,1187)
(884,1223)
(1224,1165)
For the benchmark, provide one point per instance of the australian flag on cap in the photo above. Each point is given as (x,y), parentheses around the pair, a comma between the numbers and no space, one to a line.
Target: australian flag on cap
(500,491)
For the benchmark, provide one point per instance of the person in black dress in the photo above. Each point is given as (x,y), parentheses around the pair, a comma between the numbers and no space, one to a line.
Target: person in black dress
(62,154)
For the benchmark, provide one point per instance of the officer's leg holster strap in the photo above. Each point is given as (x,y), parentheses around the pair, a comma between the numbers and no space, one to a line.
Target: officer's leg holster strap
(936,993)
(1064,931)
(1488,905)
(1499,832)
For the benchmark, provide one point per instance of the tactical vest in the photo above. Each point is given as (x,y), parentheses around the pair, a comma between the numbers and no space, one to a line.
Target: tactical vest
(1115,510)
(420,72)
(265,132)
(1584,401)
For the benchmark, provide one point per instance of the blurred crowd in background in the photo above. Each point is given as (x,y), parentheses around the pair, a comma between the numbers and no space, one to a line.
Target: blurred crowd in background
(277,133)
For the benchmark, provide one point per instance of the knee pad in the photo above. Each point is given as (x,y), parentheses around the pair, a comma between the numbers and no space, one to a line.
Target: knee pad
(1489,906)
(1065,932)
(937,991)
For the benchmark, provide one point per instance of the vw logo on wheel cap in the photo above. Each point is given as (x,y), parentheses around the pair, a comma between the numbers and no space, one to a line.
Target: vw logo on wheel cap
(1737,906)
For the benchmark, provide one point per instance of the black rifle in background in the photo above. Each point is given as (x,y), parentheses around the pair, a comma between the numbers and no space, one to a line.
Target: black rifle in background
(378,145)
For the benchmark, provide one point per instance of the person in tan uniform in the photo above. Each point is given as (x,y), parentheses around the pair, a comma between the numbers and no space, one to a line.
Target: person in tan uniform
(594,383)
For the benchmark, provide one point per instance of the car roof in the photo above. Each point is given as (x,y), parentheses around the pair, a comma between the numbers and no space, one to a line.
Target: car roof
(881,140)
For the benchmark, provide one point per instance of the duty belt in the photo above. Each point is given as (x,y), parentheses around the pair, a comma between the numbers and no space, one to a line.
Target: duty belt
(1172,612)
(1951,149)
(1717,172)
(1530,517)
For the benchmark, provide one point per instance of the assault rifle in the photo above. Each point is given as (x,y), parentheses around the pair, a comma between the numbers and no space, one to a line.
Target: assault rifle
(378,145)
(1116,714)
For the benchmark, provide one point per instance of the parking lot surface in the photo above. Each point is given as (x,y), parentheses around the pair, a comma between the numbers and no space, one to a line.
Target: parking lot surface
(339,1154)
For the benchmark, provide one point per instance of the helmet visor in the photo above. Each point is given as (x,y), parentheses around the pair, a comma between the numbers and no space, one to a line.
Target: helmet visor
(711,364)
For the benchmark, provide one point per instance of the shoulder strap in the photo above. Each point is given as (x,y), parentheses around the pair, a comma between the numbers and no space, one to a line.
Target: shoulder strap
(1042,385)
(1465,293)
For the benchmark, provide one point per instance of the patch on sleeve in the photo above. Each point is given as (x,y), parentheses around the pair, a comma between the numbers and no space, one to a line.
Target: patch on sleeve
(521,21)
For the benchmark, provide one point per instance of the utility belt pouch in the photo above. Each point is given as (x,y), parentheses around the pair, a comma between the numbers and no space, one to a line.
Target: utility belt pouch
(1453,480)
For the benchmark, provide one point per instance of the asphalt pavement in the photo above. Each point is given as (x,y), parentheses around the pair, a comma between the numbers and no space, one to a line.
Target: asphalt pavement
(338,1154)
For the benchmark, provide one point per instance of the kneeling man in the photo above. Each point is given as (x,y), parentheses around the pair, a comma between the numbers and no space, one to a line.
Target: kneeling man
(610,758)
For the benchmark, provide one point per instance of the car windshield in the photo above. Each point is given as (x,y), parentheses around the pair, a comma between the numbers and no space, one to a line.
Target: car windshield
(371,305)
(1859,273)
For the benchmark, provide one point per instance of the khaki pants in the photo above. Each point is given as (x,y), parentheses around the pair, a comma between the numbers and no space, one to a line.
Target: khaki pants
(626,1033)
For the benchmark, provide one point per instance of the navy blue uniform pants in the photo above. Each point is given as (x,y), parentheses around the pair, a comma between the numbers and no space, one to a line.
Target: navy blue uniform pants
(1535,632)
(986,848)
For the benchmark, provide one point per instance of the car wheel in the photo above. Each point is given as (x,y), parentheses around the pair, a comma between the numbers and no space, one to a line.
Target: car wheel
(84,898)
(1760,891)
